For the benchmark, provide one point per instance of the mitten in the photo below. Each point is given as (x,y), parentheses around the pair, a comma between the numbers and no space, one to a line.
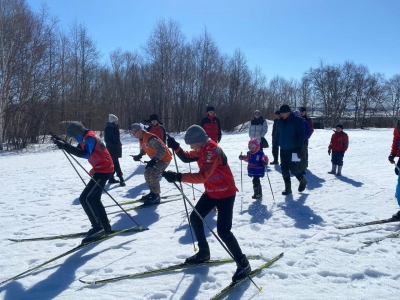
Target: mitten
(151,163)
(172,176)
(329,151)
(241,157)
(391,158)
(171,143)
(137,157)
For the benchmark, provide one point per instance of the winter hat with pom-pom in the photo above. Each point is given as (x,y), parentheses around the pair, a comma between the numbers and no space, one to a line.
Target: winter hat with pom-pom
(255,142)
(112,118)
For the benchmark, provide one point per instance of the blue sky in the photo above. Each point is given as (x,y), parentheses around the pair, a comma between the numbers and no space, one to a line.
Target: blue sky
(282,37)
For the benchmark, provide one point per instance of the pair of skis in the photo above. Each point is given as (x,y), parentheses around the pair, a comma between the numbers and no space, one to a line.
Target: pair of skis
(183,266)
(73,250)
(378,239)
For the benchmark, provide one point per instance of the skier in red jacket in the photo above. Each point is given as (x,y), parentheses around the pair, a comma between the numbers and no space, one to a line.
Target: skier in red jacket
(338,146)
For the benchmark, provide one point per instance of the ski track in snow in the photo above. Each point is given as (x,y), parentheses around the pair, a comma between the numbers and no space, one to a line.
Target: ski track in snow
(39,197)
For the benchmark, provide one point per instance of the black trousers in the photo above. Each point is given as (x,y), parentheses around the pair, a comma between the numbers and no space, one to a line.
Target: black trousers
(91,201)
(256,181)
(224,223)
(337,158)
(117,167)
(275,150)
(288,166)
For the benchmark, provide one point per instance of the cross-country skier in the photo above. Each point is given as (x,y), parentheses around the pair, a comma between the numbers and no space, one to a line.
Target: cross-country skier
(220,192)
(94,150)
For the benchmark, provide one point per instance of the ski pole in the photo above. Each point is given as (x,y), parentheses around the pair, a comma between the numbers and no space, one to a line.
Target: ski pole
(184,202)
(54,137)
(266,171)
(190,169)
(95,181)
(241,174)
(213,233)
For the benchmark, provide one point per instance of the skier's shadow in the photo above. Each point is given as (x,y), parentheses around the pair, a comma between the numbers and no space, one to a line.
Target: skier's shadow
(187,237)
(350,181)
(194,287)
(55,283)
(303,215)
(258,212)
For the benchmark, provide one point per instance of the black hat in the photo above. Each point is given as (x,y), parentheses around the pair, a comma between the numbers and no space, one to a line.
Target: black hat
(152,118)
(75,129)
(284,108)
(277,112)
(302,108)
(210,108)
(339,125)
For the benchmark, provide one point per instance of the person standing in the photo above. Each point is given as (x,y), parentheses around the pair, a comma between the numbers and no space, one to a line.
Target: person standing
(94,150)
(291,135)
(307,131)
(114,146)
(303,114)
(160,157)
(275,142)
(395,150)
(258,128)
(220,191)
(156,128)
(338,146)
(211,124)
(257,161)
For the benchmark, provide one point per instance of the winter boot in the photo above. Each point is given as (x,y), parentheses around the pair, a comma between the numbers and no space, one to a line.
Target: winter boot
(257,192)
(148,196)
(153,200)
(339,171)
(200,257)
(121,181)
(333,170)
(303,183)
(275,162)
(396,216)
(242,270)
(94,234)
(113,180)
(288,187)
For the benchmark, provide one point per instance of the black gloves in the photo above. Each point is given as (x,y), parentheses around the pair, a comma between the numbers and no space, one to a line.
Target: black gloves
(241,157)
(391,158)
(172,176)
(329,151)
(60,143)
(151,163)
(137,157)
(171,143)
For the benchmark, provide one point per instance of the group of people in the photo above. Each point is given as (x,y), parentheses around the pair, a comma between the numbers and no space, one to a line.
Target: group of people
(290,136)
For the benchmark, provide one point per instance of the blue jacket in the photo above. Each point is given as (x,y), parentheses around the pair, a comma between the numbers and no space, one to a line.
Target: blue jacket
(291,132)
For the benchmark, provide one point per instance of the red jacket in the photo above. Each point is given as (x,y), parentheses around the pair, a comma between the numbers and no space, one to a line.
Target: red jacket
(214,171)
(212,127)
(100,159)
(396,142)
(339,141)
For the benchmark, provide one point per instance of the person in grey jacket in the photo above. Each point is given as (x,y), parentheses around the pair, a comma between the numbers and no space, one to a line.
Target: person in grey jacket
(258,128)
(291,136)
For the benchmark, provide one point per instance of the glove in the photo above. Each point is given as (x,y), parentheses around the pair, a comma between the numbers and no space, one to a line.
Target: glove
(171,143)
(329,151)
(60,143)
(391,158)
(151,163)
(241,157)
(137,157)
(172,176)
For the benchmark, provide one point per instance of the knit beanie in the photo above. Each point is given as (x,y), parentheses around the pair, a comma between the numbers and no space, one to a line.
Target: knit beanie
(195,134)
(284,108)
(210,108)
(255,142)
(75,128)
(112,118)
(137,126)
(339,125)
(257,112)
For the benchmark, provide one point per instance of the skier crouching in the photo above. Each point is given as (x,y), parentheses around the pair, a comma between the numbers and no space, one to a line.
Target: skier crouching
(220,192)
(256,168)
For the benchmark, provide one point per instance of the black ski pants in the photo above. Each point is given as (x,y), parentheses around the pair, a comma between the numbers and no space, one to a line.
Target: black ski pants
(275,150)
(288,166)
(91,201)
(224,223)
(117,167)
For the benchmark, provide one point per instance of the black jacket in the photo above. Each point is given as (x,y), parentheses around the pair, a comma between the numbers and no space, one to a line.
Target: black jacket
(112,139)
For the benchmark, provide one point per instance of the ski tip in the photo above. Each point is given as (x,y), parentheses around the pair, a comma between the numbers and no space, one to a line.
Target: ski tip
(260,289)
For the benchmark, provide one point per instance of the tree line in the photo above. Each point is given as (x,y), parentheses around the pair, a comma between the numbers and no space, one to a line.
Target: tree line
(49,76)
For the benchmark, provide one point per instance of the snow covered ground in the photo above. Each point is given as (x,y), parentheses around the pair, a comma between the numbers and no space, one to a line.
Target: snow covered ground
(39,197)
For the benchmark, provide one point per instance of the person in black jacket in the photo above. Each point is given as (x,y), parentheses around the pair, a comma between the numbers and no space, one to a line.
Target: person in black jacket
(275,141)
(291,135)
(114,146)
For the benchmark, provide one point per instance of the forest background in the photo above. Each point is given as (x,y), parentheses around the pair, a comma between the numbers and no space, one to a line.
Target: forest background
(49,76)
